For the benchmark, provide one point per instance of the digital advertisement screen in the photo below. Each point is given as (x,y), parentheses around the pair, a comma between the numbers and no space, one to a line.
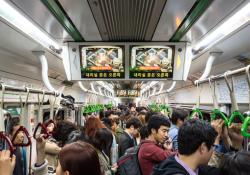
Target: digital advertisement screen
(151,62)
(102,62)
(127,93)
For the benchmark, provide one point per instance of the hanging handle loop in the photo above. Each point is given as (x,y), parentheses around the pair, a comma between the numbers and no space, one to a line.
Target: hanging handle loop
(212,87)
(40,102)
(197,112)
(8,141)
(248,81)
(231,91)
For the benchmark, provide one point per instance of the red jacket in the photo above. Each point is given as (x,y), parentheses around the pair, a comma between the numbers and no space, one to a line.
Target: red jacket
(151,154)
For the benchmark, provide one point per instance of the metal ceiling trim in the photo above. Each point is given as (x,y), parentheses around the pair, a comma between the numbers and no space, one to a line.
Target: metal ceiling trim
(193,15)
(57,10)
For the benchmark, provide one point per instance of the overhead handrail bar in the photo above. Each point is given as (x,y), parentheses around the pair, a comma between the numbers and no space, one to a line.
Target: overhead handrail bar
(222,76)
(24,89)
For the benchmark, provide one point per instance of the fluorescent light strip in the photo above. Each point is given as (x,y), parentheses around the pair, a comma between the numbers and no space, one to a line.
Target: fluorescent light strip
(233,23)
(13,16)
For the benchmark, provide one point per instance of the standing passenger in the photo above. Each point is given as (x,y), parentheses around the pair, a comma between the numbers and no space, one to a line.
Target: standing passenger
(177,118)
(195,146)
(127,138)
(151,152)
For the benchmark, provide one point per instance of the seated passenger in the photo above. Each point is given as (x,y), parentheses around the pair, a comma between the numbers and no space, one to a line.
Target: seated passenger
(195,145)
(235,163)
(177,118)
(151,151)
(127,138)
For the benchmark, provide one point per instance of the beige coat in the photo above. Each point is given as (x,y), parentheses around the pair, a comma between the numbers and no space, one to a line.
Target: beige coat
(51,153)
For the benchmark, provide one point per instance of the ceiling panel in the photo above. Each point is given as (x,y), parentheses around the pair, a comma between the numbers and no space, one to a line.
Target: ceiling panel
(234,48)
(127,20)
(36,10)
(81,15)
(215,13)
(172,15)
(15,43)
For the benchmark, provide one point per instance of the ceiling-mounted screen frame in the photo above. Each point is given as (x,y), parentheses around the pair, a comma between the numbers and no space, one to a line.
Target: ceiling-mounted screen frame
(74,58)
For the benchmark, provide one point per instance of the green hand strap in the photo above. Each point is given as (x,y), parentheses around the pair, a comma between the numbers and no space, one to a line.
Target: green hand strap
(235,114)
(196,111)
(217,113)
(244,129)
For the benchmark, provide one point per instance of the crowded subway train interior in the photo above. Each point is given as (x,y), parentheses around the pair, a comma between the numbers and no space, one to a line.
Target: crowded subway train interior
(125,87)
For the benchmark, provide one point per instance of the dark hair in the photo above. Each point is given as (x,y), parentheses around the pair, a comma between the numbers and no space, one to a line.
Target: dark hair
(156,121)
(103,140)
(193,133)
(11,123)
(107,122)
(149,115)
(144,132)
(62,131)
(79,158)
(178,114)
(132,105)
(133,121)
(101,114)
(235,163)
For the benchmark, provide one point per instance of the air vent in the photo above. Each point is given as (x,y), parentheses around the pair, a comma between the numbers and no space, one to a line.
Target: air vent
(67,83)
(127,20)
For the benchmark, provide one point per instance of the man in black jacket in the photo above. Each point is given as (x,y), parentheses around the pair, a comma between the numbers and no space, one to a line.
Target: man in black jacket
(195,145)
(127,138)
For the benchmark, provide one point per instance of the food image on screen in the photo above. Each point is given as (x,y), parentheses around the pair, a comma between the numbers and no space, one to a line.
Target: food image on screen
(151,62)
(102,62)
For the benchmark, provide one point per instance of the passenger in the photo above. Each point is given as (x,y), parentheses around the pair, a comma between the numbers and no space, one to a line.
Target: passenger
(149,115)
(7,162)
(195,146)
(151,151)
(92,125)
(19,152)
(177,118)
(127,138)
(132,109)
(51,148)
(235,163)
(63,132)
(74,159)
(144,132)
(141,116)
(102,141)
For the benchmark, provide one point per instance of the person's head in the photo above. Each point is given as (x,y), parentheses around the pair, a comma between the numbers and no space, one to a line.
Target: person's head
(133,125)
(78,158)
(132,107)
(62,131)
(143,132)
(141,116)
(235,163)
(149,115)
(196,138)
(92,125)
(13,126)
(178,116)
(103,140)
(158,127)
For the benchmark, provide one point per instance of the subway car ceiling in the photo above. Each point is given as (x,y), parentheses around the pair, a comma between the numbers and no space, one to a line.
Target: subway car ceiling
(210,28)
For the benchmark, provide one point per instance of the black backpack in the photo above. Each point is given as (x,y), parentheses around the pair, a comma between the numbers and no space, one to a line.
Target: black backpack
(128,164)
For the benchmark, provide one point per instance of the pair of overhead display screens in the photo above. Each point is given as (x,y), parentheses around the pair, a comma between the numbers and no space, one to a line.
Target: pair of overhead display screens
(93,61)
